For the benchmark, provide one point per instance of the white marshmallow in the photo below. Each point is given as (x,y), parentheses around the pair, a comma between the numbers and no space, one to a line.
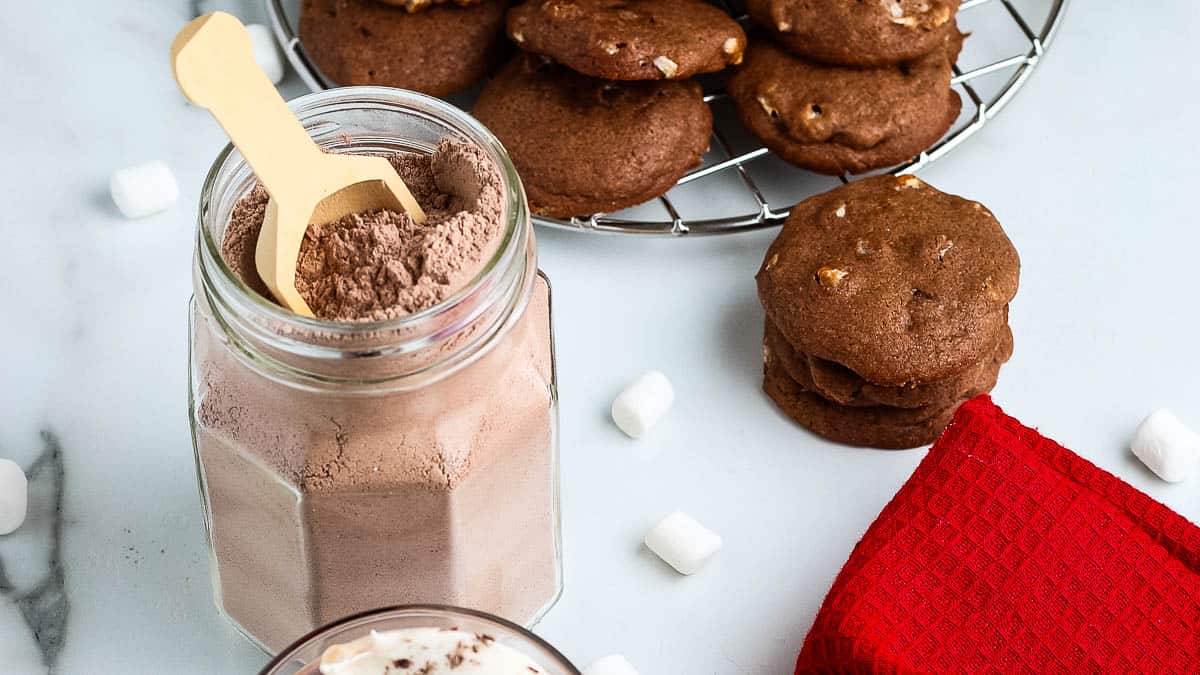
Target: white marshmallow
(267,52)
(1166,446)
(642,404)
(144,189)
(610,665)
(683,543)
(14,496)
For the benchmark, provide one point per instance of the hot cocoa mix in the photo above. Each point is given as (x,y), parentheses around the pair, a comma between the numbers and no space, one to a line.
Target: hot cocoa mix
(326,501)
(382,265)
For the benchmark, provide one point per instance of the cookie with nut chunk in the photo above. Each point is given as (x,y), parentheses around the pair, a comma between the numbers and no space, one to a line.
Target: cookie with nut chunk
(891,278)
(583,145)
(419,5)
(438,51)
(834,119)
(629,39)
(873,426)
(838,384)
(857,33)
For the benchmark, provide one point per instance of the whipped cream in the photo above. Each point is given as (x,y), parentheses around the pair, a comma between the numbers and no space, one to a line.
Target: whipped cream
(425,651)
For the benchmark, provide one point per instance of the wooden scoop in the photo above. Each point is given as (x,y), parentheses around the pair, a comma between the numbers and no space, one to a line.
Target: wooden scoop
(214,65)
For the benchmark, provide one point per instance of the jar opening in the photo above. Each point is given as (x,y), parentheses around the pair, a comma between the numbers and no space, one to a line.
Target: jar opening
(365,120)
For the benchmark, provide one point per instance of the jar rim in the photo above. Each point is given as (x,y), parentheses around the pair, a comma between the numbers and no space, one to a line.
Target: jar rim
(515,209)
(280,658)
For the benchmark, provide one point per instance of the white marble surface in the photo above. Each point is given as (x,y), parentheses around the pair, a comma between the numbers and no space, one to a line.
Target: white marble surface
(1093,170)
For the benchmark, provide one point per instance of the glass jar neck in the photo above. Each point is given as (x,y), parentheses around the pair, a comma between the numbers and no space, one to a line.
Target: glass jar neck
(403,353)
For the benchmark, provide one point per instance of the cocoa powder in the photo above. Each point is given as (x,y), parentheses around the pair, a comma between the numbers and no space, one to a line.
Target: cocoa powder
(382,264)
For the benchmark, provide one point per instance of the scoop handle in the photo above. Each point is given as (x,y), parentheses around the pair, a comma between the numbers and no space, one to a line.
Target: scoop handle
(213,60)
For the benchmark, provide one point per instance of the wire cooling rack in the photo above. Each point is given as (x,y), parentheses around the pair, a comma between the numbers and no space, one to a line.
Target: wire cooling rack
(741,185)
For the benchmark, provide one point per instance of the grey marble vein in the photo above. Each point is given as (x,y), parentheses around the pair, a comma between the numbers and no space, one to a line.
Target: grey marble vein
(45,606)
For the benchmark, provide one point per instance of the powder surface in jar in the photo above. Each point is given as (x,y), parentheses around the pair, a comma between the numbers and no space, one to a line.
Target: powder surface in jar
(382,265)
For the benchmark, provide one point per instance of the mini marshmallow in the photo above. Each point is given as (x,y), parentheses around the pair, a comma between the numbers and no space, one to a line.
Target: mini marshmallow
(14,496)
(144,189)
(642,404)
(1166,446)
(683,543)
(266,51)
(614,664)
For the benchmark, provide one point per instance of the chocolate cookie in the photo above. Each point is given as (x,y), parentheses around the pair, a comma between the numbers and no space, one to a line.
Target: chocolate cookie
(897,281)
(438,51)
(833,119)
(874,427)
(839,384)
(862,33)
(629,39)
(842,385)
(586,146)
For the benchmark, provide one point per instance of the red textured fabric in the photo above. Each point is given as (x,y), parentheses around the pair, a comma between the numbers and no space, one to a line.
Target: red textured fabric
(1008,553)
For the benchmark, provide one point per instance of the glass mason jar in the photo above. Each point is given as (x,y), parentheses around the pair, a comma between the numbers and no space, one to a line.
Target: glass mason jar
(301,657)
(349,466)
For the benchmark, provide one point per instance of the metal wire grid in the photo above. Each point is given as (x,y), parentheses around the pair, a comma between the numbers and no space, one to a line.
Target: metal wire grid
(765,215)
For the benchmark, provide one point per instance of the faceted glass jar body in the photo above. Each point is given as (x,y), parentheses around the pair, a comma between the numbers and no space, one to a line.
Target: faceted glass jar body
(349,466)
(302,657)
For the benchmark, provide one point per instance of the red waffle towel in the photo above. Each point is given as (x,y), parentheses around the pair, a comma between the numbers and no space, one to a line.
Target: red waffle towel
(1006,552)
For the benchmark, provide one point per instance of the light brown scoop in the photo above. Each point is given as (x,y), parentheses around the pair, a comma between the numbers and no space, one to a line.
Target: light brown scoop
(214,65)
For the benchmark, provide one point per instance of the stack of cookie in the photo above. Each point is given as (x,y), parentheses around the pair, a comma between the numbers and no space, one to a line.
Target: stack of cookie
(836,86)
(600,112)
(887,307)
(437,47)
